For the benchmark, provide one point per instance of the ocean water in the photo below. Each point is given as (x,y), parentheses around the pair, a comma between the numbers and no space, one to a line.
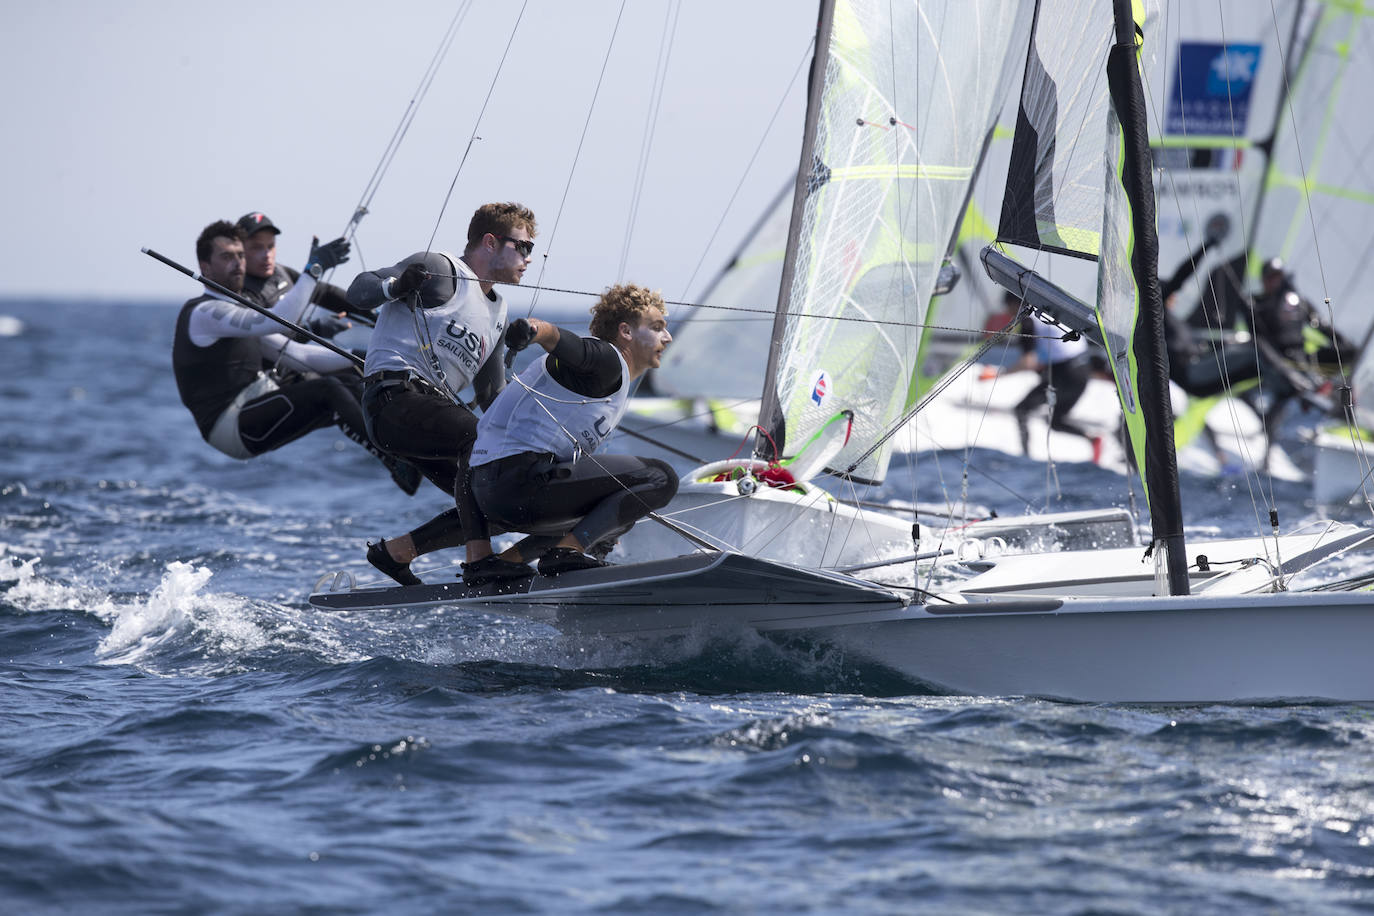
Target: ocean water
(183,734)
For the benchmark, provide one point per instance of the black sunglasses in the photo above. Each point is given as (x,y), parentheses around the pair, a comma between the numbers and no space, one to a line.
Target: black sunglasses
(524,246)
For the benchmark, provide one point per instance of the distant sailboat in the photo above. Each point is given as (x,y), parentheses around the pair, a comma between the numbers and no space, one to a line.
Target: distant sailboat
(1082,185)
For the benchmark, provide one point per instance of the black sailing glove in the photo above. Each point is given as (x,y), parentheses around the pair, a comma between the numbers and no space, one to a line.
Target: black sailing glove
(519,335)
(327,326)
(327,256)
(410,281)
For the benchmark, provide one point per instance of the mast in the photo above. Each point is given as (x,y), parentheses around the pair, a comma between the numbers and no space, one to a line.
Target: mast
(770,408)
(1160,469)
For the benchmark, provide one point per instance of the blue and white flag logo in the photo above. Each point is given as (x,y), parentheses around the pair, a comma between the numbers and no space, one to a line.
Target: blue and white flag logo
(820,388)
(1212,86)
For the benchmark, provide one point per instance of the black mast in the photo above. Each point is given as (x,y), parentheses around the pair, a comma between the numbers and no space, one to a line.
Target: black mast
(809,179)
(1152,360)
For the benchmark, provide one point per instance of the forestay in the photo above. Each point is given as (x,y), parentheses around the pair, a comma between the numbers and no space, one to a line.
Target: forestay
(903,100)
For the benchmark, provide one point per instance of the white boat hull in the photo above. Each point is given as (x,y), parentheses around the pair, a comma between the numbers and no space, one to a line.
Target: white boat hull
(814,530)
(1339,467)
(1289,646)
(1284,646)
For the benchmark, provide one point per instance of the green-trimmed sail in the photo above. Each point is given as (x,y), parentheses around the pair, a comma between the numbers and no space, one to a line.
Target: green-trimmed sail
(1079,183)
(903,97)
(1318,206)
(1217,82)
(719,351)
(1053,200)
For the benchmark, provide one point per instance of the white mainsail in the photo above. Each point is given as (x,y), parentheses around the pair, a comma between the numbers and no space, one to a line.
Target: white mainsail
(1218,84)
(720,349)
(904,97)
(1318,205)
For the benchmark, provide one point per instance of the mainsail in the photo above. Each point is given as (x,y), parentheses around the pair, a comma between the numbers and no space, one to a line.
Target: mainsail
(719,348)
(1319,184)
(1079,184)
(903,97)
(1223,79)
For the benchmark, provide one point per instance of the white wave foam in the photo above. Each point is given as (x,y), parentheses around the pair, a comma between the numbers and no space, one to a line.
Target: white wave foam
(139,627)
(14,569)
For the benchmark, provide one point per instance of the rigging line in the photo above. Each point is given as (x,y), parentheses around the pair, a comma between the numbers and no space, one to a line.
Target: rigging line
(1284,100)
(699,539)
(1297,147)
(930,395)
(806,56)
(897,144)
(408,116)
(971,332)
(1222,368)
(1258,469)
(665,50)
(429,246)
(577,155)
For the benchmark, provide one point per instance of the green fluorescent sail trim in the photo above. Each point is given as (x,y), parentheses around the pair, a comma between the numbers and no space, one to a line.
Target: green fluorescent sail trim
(1354,7)
(1191,422)
(907,170)
(1198,141)
(1301,214)
(763,257)
(1081,240)
(1135,421)
(1310,187)
(975,228)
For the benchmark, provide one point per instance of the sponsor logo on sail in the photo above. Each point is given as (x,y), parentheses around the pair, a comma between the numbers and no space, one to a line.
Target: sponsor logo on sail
(1211,92)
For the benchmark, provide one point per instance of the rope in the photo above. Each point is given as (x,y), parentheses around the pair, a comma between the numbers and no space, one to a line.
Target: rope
(429,246)
(558,215)
(665,50)
(407,117)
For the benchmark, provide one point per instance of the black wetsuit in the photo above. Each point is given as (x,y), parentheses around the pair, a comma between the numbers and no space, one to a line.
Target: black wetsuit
(594,497)
(408,416)
(265,291)
(209,379)
(1069,379)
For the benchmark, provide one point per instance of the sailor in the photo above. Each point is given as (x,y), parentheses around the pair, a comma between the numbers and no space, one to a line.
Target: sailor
(1064,369)
(250,388)
(535,467)
(266,281)
(1224,300)
(1292,325)
(1206,368)
(440,330)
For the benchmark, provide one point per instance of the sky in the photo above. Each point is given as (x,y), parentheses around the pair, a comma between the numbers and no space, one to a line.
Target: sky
(135,124)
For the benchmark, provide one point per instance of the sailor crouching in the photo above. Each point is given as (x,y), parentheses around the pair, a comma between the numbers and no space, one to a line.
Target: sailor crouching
(535,467)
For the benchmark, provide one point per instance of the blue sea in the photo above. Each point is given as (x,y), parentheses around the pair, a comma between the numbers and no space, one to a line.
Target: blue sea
(183,734)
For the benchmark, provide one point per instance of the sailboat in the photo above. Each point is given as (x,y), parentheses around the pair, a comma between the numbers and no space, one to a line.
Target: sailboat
(865,245)
(1263,127)
(1317,185)
(1205,631)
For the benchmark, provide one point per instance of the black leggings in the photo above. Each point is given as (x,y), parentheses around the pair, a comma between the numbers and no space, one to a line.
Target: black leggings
(283,416)
(415,422)
(1070,379)
(597,497)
